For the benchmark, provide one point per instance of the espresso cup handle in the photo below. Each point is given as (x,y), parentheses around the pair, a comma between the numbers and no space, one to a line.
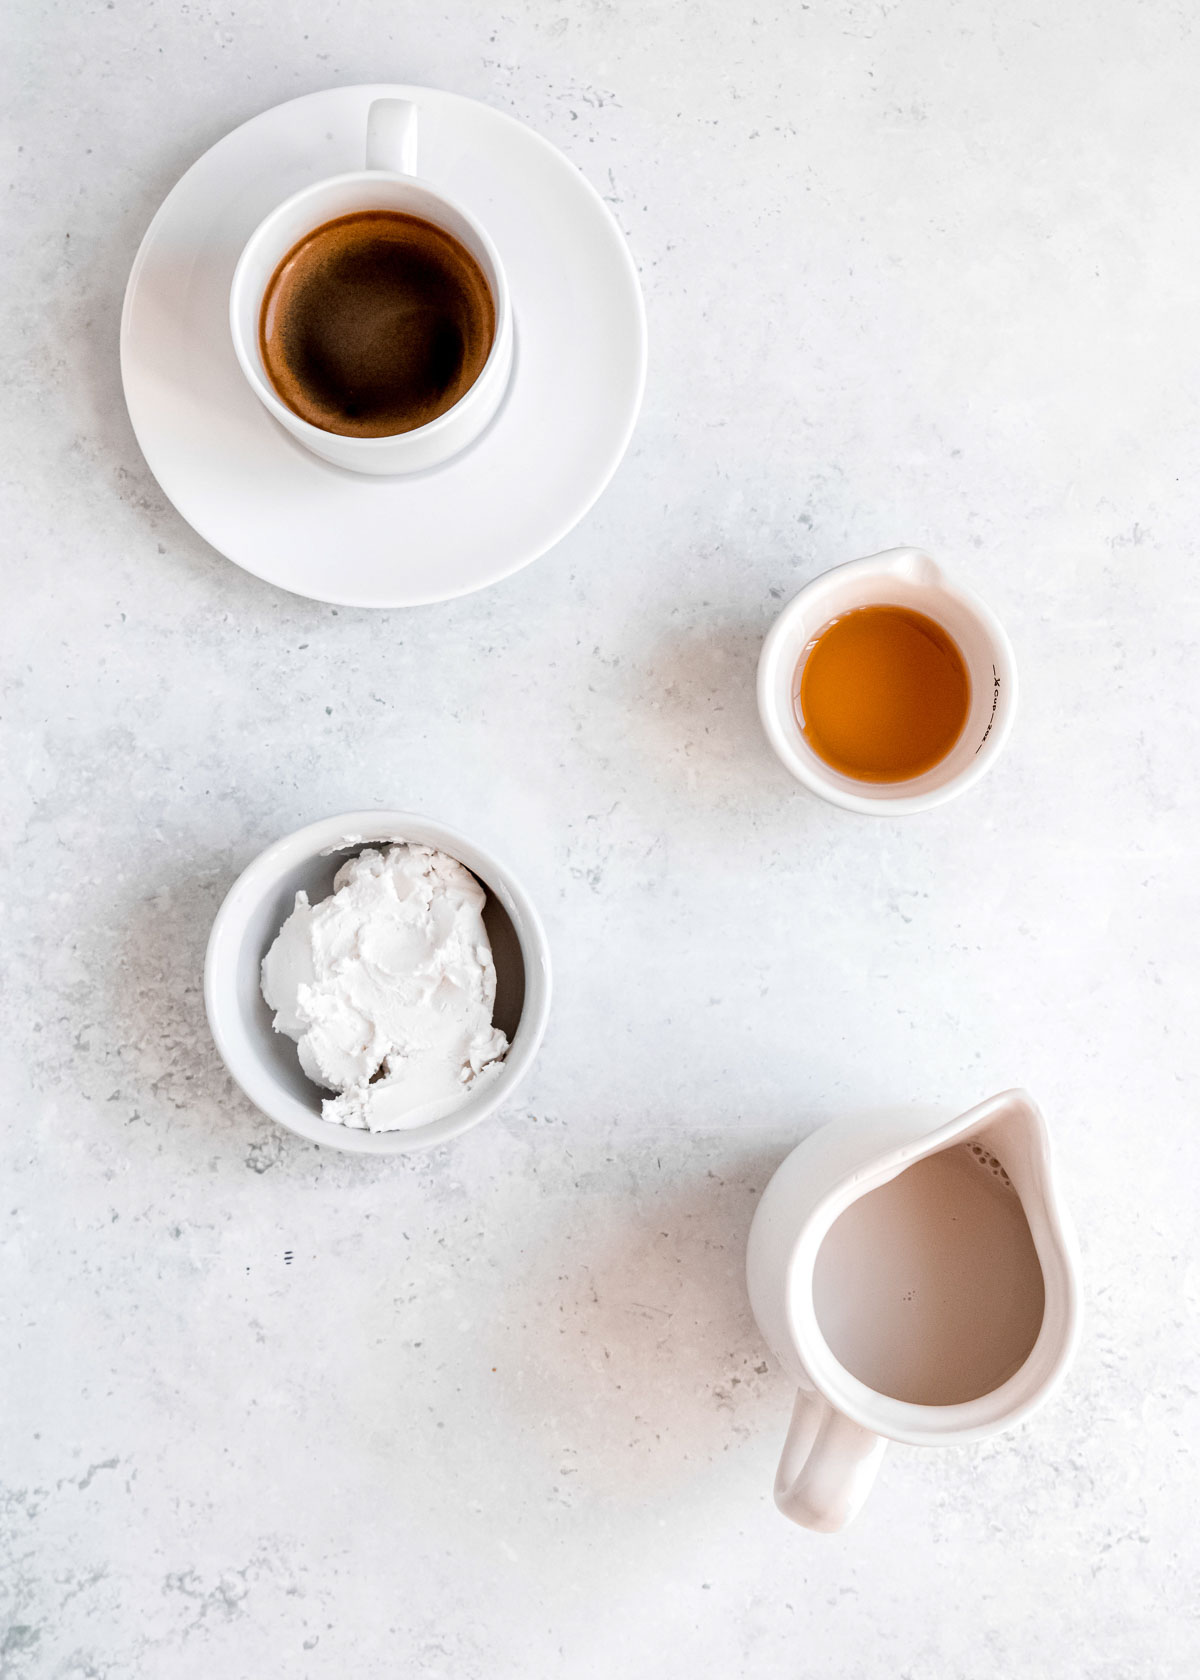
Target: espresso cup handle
(392,136)
(828,1467)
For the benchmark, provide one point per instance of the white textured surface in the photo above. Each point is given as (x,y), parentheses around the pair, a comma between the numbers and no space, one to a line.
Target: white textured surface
(918,273)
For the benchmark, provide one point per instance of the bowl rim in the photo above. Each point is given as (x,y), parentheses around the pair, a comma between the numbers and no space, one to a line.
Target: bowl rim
(363,828)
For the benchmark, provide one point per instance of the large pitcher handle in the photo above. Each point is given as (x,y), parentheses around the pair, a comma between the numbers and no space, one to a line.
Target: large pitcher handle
(828,1467)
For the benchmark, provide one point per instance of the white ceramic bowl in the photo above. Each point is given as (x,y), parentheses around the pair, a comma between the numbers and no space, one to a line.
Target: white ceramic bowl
(265,1064)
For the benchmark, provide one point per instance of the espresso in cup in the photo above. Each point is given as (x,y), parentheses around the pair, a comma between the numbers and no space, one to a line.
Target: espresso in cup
(375,323)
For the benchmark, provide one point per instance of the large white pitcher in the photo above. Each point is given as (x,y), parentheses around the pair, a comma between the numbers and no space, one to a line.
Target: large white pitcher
(840,1425)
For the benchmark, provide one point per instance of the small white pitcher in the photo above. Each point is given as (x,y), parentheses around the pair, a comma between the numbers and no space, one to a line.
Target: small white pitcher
(840,1426)
(899,577)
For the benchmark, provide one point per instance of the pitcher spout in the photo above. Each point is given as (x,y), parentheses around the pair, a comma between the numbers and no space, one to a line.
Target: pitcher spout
(1009,1138)
(914,566)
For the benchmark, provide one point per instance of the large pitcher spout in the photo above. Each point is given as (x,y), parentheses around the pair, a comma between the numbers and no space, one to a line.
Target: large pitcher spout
(1010,1130)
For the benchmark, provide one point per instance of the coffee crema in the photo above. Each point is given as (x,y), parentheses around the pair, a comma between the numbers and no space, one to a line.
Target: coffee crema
(882,693)
(375,323)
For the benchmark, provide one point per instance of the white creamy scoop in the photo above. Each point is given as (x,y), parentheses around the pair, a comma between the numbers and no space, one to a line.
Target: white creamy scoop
(388,988)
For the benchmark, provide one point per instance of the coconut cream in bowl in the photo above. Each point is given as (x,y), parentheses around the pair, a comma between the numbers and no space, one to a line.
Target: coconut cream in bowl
(384,1059)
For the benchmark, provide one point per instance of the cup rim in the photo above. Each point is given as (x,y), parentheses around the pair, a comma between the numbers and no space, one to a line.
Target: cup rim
(822,779)
(362,829)
(304,429)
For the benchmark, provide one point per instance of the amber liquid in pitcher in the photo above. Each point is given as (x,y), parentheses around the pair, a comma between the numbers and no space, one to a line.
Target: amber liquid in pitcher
(882,693)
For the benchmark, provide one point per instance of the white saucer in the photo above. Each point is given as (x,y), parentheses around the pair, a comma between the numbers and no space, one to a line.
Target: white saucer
(273,508)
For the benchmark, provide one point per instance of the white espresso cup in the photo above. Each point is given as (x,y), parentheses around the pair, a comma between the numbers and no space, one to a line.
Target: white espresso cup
(899,577)
(389,182)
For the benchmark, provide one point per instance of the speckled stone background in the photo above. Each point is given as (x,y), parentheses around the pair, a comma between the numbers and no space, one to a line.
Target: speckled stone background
(916,272)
